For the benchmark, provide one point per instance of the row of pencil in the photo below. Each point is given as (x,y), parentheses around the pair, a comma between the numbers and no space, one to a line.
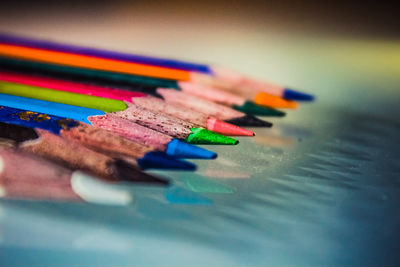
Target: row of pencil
(73,119)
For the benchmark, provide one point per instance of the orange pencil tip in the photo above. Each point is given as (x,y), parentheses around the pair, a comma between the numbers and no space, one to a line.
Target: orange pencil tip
(225,128)
(272,101)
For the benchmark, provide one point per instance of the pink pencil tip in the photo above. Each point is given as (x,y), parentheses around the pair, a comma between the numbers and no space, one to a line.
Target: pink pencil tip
(225,128)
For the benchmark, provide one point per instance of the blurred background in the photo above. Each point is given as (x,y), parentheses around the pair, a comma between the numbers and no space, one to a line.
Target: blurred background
(347,18)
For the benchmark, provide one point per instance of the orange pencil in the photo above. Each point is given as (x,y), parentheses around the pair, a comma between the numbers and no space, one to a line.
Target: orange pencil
(89,62)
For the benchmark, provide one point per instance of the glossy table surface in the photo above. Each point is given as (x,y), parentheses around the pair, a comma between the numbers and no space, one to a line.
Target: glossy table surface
(319,188)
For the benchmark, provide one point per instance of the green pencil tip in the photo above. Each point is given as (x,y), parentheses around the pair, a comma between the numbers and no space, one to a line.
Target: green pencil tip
(203,136)
(253,109)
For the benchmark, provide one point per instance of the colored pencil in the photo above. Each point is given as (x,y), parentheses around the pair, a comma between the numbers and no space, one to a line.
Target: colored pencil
(73,155)
(174,127)
(238,101)
(68,86)
(73,72)
(51,108)
(97,139)
(248,92)
(211,123)
(145,136)
(93,102)
(89,62)
(202,135)
(76,60)
(230,79)
(222,75)
(218,111)
(190,115)
(126,82)
(24,176)
(206,92)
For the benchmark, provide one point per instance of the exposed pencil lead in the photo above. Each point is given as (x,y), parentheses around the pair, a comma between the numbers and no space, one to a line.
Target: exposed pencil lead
(225,128)
(250,121)
(181,149)
(160,160)
(203,136)
(290,94)
(253,109)
(127,172)
(272,101)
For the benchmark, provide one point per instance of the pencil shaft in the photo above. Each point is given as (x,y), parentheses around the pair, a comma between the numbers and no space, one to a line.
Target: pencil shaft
(104,141)
(95,138)
(67,86)
(212,94)
(93,102)
(247,89)
(82,61)
(199,73)
(163,62)
(75,73)
(201,105)
(69,153)
(236,81)
(50,108)
(158,105)
(37,178)
(162,123)
(131,130)
(26,176)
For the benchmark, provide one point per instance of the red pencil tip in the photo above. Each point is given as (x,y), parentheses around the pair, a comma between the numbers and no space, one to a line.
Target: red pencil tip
(225,128)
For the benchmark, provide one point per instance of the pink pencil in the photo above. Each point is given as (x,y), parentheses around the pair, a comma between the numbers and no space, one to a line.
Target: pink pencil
(73,87)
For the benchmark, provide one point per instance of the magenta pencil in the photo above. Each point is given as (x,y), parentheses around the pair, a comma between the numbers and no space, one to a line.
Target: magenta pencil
(67,86)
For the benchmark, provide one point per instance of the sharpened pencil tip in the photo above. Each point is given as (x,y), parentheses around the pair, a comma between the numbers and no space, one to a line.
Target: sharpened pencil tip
(225,128)
(160,160)
(290,94)
(272,101)
(203,136)
(179,149)
(125,171)
(253,109)
(249,121)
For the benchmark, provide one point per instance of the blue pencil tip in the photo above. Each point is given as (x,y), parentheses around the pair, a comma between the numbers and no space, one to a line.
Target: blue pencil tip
(179,149)
(160,160)
(290,94)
